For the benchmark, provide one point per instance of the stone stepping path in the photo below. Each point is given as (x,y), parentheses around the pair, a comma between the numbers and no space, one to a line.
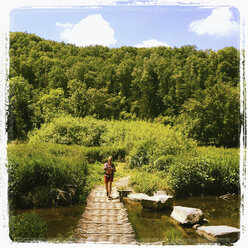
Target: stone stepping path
(104,220)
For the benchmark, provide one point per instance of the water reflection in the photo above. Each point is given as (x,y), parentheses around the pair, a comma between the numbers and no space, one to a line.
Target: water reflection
(61,221)
(152,226)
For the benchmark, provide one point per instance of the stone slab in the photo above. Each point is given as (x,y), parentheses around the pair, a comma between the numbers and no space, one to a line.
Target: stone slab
(186,215)
(221,234)
(157,202)
(137,197)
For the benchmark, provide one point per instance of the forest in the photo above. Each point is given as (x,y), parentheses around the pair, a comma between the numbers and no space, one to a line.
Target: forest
(194,91)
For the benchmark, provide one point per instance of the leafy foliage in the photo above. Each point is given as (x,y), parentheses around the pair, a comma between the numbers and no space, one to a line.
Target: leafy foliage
(49,79)
(143,141)
(42,175)
(67,130)
(208,170)
(211,117)
(147,183)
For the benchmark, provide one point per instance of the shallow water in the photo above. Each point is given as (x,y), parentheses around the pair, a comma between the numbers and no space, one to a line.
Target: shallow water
(151,226)
(61,221)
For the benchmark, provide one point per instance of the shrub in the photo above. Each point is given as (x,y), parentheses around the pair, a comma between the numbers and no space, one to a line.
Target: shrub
(70,131)
(163,163)
(101,154)
(189,177)
(27,227)
(139,156)
(44,174)
(38,177)
(210,172)
(148,183)
(143,141)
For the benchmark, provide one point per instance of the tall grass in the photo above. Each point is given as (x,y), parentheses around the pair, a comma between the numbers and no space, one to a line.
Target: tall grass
(148,183)
(209,170)
(42,175)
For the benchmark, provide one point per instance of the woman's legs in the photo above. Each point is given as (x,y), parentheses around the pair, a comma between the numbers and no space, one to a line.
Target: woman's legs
(106,183)
(110,187)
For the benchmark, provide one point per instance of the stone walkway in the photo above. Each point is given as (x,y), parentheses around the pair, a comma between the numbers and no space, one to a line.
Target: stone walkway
(104,220)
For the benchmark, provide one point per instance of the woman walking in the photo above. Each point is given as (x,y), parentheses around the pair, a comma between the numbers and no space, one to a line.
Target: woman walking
(109,170)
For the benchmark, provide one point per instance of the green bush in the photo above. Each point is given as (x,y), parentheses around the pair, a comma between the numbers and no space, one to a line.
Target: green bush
(70,131)
(27,227)
(144,141)
(43,175)
(163,163)
(148,183)
(210,172)
(101,154)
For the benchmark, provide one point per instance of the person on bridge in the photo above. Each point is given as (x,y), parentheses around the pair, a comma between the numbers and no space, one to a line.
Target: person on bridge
(109,170)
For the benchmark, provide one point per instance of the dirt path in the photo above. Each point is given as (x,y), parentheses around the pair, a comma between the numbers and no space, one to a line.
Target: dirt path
(104,220)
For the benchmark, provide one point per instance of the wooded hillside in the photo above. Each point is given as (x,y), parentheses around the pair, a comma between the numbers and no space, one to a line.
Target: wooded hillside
(194,90)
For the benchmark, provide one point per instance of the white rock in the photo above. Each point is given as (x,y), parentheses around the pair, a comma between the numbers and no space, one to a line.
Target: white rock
(157,202)
(222,234)
(115,195)
(137,196)
(186,215)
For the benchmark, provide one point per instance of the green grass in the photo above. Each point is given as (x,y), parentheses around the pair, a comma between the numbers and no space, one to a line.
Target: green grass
(209,170)
(43,174)
(173,237)
(27,227)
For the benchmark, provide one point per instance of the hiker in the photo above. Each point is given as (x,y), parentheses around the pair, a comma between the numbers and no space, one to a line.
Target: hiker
(109,170)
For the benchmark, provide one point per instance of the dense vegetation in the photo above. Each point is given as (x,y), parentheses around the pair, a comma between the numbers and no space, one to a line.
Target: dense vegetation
(208,170)
(150,108)
(197,91)
(44,175)
(27,227)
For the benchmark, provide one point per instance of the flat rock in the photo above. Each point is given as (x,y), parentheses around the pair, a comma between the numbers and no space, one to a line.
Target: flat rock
(186,215)
(137,196)
(115,195)
(221,234)
(157,202)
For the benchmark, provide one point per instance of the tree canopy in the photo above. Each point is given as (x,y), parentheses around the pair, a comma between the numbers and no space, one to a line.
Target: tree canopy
(195,89)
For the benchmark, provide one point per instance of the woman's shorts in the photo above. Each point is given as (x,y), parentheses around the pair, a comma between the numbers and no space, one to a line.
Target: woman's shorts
(108,178)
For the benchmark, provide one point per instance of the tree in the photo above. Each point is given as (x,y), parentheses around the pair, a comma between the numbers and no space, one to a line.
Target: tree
(20,113)
(228,66)
(98,102)
(50,105)
(213,117)
(77,98)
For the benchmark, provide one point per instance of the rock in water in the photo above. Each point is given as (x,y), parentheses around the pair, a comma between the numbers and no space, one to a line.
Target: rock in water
(157,202)
(137,196)
(186,215)
(220,234)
